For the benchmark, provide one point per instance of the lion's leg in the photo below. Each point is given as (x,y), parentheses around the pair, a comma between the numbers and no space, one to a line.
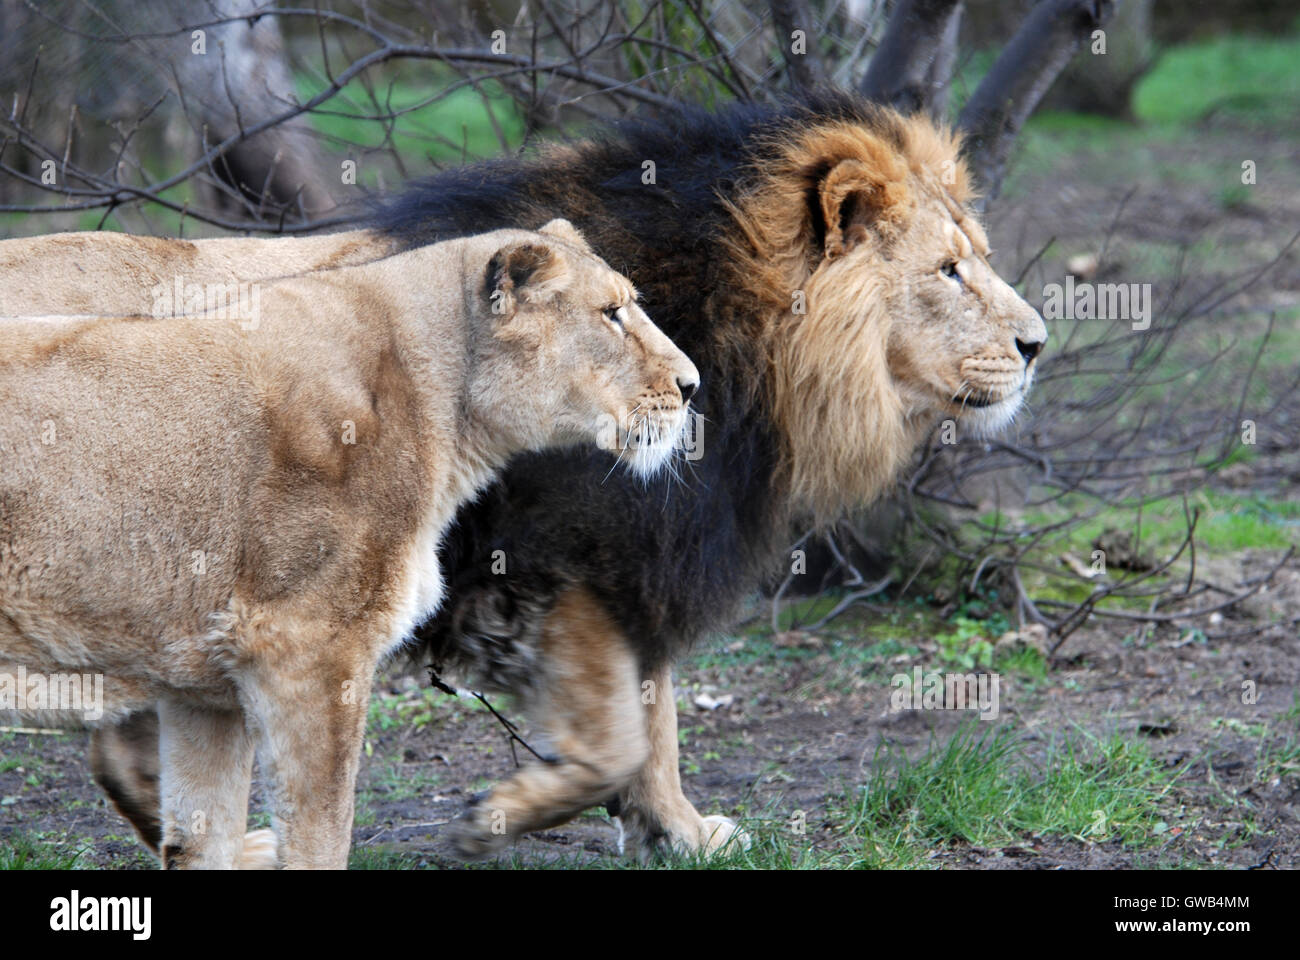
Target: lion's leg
(124,761)
(311,712)
(652,808)
(587,709)
(206,769)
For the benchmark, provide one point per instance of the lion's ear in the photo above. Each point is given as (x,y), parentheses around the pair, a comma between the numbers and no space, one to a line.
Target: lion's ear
(564,230)
(859,203)
(523,272)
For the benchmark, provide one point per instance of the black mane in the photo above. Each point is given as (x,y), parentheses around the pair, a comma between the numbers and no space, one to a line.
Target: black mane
(670,559)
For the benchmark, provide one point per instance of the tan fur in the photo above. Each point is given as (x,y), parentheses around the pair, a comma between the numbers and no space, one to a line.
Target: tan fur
(124,760)
(588,716)
(592,712)
(601,721)
(653,811)
(888,344)
(115,274)
(312,459)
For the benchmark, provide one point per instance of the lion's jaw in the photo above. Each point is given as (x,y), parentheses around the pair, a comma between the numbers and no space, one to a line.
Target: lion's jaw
(650,440)
(962,344)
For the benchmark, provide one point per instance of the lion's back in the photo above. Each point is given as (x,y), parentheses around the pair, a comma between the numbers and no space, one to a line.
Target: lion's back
(104,273)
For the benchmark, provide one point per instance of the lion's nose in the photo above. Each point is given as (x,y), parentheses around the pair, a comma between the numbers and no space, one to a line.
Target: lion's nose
(688,388)
(1028,350)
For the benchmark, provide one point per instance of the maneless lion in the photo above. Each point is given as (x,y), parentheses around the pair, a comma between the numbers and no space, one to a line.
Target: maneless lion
(820,262)
(234,518)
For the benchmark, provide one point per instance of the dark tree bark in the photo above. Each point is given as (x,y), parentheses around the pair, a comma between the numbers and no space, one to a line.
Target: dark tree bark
(243,78)
(789,16)
(939,76)
(1030,64)
(916,53)
(1104,84)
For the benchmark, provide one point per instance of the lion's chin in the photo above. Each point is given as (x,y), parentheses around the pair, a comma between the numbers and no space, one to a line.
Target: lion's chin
(988,420)
(654,442)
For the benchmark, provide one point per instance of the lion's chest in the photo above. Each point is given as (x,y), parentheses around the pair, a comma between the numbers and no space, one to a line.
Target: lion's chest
(423,589)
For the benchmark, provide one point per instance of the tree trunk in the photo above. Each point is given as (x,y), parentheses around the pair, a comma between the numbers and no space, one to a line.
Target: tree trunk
(1022,74)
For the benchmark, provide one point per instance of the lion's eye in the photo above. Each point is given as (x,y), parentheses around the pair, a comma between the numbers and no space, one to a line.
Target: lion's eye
(949,269)
(614,315)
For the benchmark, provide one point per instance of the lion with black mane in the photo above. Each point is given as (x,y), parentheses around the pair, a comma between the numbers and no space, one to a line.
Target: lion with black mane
(821,264)
(812,405)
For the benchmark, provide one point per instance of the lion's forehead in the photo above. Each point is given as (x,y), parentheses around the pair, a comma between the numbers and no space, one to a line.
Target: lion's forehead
(606,285)
(974,234)
(964,236)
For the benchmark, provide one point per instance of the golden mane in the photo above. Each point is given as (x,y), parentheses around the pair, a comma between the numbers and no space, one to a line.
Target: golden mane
(842,429)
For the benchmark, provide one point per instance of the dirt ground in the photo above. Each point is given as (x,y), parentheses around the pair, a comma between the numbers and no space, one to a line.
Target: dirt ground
(798,731)
(791,736)
(806,726)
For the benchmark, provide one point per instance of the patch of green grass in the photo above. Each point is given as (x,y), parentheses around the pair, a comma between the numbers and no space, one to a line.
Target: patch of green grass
(414,709)
(402,781)
(1228,522)
(1238,74)
(859,646)
(1149,157)
(1241,346)
(31,765)
(1249,78)
(382,858)
(36,852)
(1235,196)
(426,128)
(1252,730)
(1292,715)
(1279,759)
(981,788)
(365,815)
(984,789)
(1027,662)
(967,645)
(1277,755)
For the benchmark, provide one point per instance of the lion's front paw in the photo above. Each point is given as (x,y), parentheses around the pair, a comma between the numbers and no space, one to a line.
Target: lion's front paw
(722,835)
(475,835)
(259,851)
(679,831)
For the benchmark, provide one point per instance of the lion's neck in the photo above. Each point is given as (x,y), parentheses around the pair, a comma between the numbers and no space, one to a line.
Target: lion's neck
(466,444)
